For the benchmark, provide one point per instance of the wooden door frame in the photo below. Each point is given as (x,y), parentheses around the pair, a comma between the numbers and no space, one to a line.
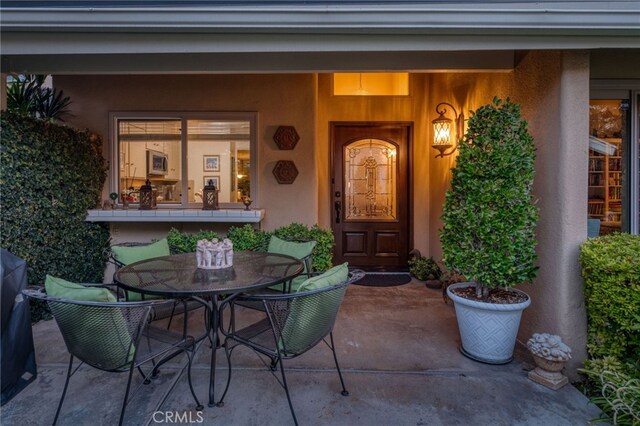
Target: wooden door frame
(409,125)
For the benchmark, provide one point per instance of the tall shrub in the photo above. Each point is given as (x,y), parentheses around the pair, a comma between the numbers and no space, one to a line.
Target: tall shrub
(50,176)
(489,213)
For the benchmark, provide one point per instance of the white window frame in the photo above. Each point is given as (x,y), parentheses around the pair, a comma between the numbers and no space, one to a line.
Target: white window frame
(251,117)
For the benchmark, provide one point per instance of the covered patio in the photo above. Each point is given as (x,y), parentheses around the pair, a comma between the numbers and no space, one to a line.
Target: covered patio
(398,350)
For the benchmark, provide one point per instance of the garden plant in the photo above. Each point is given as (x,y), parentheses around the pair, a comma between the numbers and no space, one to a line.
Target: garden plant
(611,272)
(247,238)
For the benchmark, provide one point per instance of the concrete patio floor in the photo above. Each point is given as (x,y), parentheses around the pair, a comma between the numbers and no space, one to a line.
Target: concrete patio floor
(397,347)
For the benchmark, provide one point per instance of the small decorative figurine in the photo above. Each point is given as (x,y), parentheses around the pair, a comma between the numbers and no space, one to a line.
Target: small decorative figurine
(214,254)
(227,249)
(114,197)
(247,202)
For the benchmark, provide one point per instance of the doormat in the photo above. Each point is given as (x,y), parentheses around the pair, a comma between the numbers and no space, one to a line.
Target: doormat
(383,280)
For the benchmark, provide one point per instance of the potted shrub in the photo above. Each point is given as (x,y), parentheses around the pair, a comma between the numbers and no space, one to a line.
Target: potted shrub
(425,269)
(489,230)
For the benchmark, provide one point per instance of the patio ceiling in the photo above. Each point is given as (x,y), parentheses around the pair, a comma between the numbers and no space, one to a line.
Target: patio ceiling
(294,36)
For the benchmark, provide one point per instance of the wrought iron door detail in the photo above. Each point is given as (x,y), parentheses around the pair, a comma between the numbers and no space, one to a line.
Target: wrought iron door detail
(370,180)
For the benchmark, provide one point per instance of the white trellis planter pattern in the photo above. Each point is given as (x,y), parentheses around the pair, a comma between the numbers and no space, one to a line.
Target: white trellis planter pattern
(488,330)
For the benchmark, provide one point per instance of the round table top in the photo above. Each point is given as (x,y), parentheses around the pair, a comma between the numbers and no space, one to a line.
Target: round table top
(178,276)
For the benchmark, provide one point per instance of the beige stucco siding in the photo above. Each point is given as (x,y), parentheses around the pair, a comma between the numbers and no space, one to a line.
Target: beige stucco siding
(553,88)
(278,99)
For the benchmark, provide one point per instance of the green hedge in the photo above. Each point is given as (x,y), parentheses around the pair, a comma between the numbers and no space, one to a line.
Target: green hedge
(247,238)
(611,271)
(50,176)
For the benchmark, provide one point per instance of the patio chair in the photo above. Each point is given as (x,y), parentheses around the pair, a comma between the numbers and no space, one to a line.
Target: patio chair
(301,250)
(115,337)
(295,323)
(123,254)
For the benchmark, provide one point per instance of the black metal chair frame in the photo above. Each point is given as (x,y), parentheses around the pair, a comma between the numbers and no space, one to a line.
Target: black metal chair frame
(156,314)
(273,305)
(252,303)
(142,334)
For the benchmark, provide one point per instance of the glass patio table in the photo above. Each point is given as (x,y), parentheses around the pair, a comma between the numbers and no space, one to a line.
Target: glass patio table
(178,277)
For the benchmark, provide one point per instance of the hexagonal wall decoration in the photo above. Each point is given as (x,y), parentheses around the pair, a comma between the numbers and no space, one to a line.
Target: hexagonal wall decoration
(286,137)
(285,171)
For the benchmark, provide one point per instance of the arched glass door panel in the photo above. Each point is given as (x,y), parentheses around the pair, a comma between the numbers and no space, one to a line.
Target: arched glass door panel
(370,170)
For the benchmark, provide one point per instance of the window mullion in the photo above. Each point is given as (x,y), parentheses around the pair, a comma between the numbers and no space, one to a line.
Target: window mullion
(184,173)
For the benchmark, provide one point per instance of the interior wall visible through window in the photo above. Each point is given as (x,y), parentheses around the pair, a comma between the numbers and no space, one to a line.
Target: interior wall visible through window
(608,181)
(182,154)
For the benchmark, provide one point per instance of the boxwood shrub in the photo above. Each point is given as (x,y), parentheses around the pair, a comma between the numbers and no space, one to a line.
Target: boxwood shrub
(50,176)
(611,271)
(247,238)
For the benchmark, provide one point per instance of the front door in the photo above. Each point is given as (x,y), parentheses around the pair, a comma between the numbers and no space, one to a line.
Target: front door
(370,194)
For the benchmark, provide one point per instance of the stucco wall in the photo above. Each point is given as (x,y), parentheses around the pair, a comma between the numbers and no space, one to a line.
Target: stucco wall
(279,100)
(378,108)
(553,88)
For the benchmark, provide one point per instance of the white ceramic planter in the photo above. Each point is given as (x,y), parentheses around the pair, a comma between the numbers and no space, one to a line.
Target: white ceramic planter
(488,330)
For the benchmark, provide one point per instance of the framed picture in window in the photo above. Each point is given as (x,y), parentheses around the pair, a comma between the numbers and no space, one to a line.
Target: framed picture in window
(215,179)
(211,163)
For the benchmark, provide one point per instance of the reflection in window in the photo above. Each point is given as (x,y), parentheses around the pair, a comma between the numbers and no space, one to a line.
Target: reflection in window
(370,167)
(180,156)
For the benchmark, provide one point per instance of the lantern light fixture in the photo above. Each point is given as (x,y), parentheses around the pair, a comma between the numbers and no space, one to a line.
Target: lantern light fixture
(210,196)
(146,196)
(443,127)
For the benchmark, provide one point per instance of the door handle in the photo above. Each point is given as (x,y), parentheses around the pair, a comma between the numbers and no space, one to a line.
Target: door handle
(338,207)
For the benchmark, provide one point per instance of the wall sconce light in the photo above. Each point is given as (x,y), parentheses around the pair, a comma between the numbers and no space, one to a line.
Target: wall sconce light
(442,129)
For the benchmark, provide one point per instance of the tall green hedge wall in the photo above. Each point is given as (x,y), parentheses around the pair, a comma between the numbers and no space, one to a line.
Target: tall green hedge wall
(50,176)
(611,271)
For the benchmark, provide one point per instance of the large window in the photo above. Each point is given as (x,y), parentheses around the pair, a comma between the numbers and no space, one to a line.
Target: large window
(182,153)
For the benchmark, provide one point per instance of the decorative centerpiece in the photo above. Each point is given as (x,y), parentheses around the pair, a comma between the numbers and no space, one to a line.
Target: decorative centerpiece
(550,355)
(214,254)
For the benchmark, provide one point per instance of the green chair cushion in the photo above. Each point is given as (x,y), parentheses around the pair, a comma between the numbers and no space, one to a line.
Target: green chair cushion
(333,276)
(299,250)
(295,284)
(128,255)
(57,287)
(107,333)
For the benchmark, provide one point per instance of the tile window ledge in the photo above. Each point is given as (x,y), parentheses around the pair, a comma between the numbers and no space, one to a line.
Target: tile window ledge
(176,215)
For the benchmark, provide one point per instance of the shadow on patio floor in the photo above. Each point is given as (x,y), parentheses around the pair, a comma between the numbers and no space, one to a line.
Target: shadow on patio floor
(397,346)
